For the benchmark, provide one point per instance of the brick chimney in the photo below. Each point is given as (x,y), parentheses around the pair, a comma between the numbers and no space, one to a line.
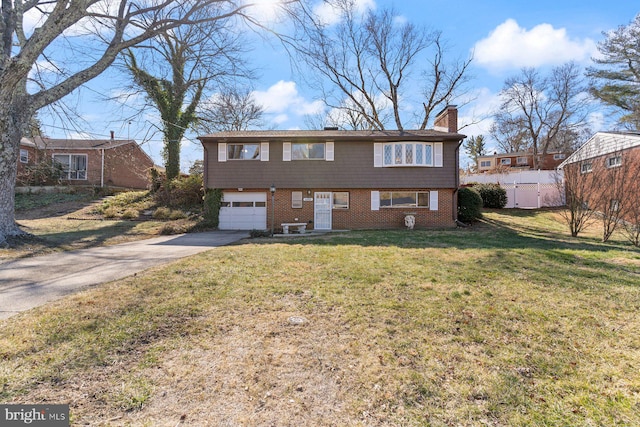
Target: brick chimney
(112,135)
(447,120)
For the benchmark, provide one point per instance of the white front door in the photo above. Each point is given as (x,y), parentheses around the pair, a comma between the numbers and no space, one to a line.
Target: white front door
(322,211)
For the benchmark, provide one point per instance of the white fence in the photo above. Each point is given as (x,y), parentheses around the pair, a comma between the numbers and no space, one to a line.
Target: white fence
(525,189)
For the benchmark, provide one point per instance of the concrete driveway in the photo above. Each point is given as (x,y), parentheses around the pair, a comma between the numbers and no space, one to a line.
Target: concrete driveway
(30,282)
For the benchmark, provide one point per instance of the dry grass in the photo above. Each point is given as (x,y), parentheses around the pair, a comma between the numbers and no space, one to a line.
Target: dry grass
(507,323)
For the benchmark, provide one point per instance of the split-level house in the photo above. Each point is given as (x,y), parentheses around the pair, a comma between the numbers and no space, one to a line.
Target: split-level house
(96,162)
(605,173)
(334,179)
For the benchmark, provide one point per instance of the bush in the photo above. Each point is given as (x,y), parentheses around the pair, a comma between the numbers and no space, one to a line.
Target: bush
(493,196)
(130,214)
(469,205)
(212,203)
(259,233)
(181,192)
(161,213)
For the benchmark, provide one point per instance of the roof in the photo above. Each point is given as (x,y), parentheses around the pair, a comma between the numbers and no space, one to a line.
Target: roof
(78,144)
(603,143)
(384,135)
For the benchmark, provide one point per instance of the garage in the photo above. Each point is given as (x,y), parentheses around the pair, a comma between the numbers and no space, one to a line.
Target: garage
(243,211)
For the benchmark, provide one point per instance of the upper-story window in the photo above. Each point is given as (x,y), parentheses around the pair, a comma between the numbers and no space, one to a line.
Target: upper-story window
(243,151)
(24,156)
(408,154)
(586,167)
(307,151)
(615,161)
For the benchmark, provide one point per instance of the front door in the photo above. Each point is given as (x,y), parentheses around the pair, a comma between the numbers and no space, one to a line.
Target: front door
(322,211)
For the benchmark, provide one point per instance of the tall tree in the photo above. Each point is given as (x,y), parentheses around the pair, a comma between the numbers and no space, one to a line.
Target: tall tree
(179,66)
(107,28)
(538,112)
(231,109)
(475,147)
(616,80)
(362,64)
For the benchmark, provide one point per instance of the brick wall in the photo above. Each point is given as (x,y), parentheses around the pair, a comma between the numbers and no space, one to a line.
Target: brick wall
(359,214)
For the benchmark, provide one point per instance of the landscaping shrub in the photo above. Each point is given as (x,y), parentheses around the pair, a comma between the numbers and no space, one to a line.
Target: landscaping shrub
(493,196)
(212,203)
(183,192)
(161,213)
(469,205)
(259,233)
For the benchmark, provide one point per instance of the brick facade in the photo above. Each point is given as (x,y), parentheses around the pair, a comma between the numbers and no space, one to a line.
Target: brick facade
(125,163)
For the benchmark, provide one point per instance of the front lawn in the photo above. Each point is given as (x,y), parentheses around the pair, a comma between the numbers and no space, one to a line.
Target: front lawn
(506,323)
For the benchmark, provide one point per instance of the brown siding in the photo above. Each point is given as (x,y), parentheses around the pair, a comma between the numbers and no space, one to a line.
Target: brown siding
(352,168)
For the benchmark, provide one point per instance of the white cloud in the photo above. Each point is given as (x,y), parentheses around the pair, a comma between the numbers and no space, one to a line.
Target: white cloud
(282,99)
(329,13)
(511,46)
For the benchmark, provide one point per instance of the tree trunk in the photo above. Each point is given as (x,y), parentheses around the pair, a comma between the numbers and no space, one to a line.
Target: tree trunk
(14,118)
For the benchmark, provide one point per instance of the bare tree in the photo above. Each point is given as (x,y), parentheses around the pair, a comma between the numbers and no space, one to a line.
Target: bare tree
(108,27)
(363,64)
(232,109)
(577,191)
(539,112)
(175,70)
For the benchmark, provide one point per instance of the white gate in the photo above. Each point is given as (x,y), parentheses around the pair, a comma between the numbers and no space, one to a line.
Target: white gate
(322,211)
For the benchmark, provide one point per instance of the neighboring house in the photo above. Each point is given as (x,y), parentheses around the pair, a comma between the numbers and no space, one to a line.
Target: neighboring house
(332,179)
(606,169)
(521,160)
(107,162)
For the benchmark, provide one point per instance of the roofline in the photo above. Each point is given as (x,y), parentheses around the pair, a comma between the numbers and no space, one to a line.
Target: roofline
(329,135)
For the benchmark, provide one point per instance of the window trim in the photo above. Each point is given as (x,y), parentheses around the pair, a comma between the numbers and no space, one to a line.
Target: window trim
(400,160)
(24,155)
(324,151)
(586,167)
(487,165)
(559,156)
(522,160)
(338,206)
(296,202)
(258,149)
(617,164)
(404,206)
(69,171)
(506,161)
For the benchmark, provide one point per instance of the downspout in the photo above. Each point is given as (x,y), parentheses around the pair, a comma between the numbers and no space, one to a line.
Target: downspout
(102,170)
(455,192)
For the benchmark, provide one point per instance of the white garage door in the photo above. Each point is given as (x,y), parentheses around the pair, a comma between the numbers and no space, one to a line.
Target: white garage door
(243,211)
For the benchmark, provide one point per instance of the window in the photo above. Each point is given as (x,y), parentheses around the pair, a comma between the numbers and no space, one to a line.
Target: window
(74,166)
(341,200)
(586,167)
(521,160)
(505,161)
(296,199)
(243,151)
(614,205)
(408,154)
(485,163)
(404,199)
(311,151)
(613,162)
(24,156)
(559,156)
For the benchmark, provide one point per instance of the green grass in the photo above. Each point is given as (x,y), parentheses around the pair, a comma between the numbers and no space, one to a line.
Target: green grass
(29,201)
(506,323)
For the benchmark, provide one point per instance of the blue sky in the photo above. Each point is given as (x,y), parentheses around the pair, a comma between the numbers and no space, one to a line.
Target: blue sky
(502,35)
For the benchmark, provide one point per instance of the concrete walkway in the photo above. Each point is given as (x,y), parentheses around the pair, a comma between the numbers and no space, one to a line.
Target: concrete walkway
(30,282)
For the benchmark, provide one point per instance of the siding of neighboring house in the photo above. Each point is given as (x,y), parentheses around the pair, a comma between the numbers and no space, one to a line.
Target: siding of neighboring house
(108,162)
(606,181)
(354,168)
